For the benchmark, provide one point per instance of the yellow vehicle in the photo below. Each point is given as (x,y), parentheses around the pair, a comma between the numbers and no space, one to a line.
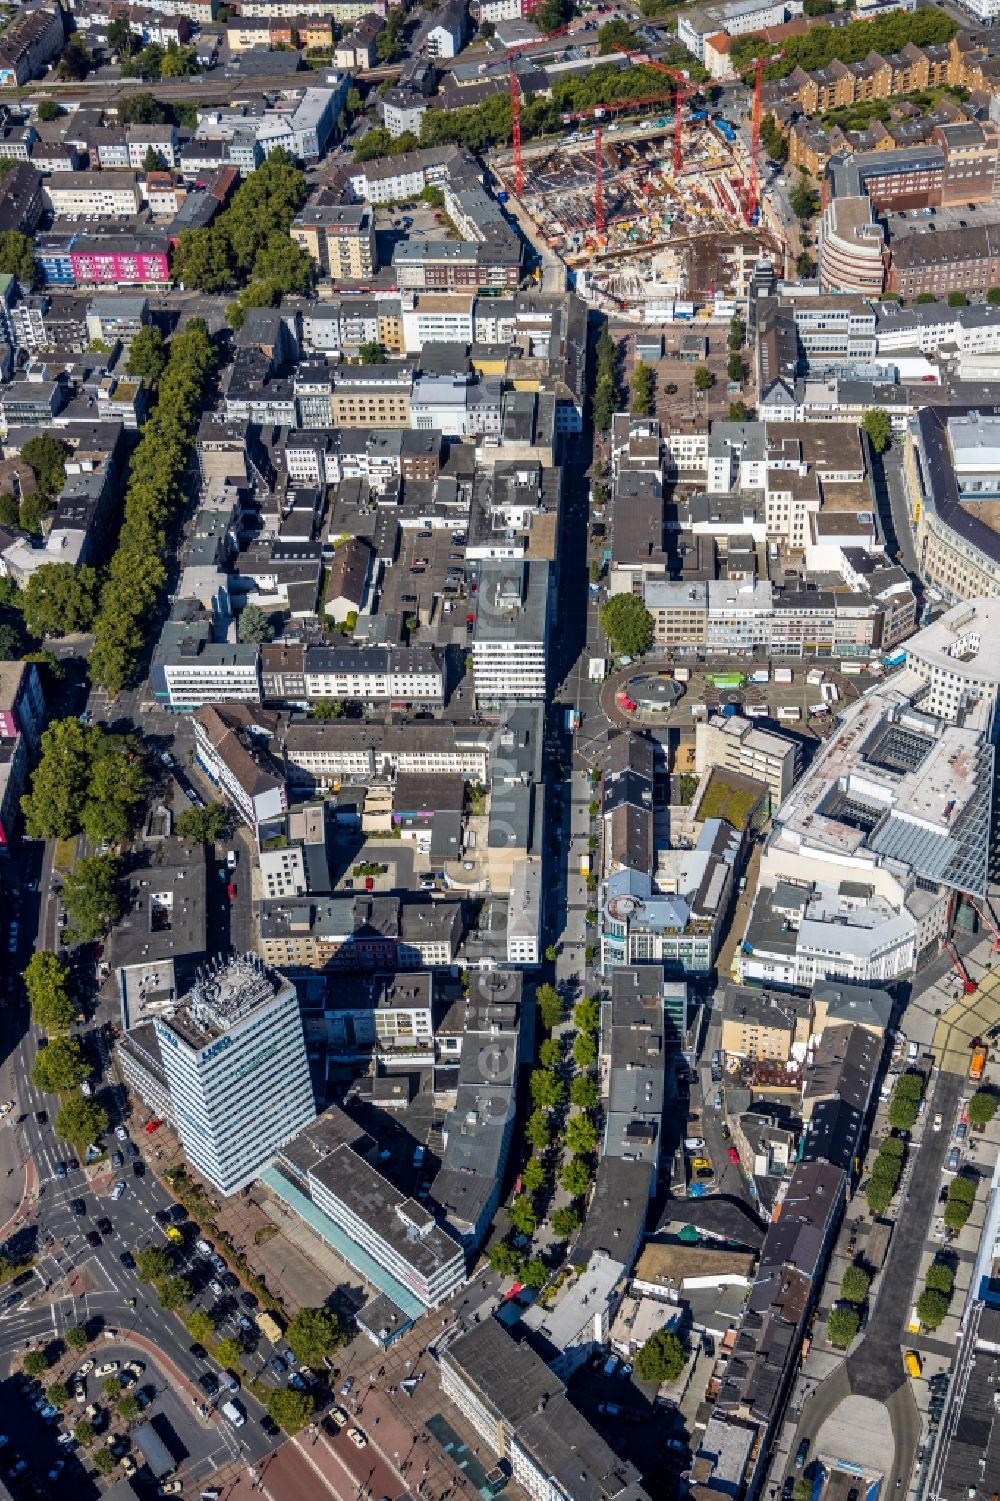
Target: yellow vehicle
(269,1327)
(913,1364)
(698,1163)
(174,1236)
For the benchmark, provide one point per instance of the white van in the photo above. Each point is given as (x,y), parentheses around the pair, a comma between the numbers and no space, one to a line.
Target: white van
(234,1413)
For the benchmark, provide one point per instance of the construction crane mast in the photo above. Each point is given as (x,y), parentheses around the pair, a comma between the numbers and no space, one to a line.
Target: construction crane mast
(515,129)
(683,90)
(756,113)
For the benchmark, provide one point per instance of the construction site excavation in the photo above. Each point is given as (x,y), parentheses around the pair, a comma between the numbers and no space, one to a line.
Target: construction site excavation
(649,212)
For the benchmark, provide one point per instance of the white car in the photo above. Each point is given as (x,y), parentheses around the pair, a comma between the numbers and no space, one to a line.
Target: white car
(357,1438)
(118,1190)
(121,1133)
(108,1368)
(135,1368)
(936,1124)
(86,1368)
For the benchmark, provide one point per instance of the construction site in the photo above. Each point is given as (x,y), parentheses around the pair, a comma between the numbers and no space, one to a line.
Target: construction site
(633,206)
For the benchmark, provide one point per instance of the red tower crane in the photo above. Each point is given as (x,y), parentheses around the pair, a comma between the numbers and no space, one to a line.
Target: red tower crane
(596,112)
(515,129)
(753,192)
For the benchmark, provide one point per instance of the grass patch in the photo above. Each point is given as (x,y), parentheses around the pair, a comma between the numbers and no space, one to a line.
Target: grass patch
(264,1234)
(724,799)
(11,1269)
(65,854)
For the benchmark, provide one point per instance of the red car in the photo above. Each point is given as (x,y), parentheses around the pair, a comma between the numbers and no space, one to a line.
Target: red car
(734,1156)
(231,891)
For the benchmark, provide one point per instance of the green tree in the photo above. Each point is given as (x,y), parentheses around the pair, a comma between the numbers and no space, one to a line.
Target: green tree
(203,260)
(76,61)
(327,708)
(284,264)
(203,825)
(940,1278)
(90,896)
(254,626)
(982,1108)
(84,1434)
(17,258)
(521,1214)
(575,1177)
(804,200)
(46,457)
(372,353)
(57,1394)
(734,366)
(738,411)
(879,429)
(128,1410)
(605,403)
(32,512)
(552,14)
(153,1264)
(76,1337)
(583,1091)
(627,624)
(581,1134)
(35,1362)
(537,1131)
(60,599)
(662,1357)
(924,298)
(584,1050)
(174,1292)
(993,297)
(85,779)
(565,1222)
(141,108)
(642,391)
(842,1326)
(854,1284)
(957,299)
(773,139)
(147,355)
(81,1122)
(587,1014)
(614,36)
(547,1091)
(121,38)
(46,980)
(817,7)
(291,1410)
(60,1065)
(504,1259)
(153,161)
(48,110)
(893,1146)
(533,1175)
(104,1461)
(550,1006)
(879,1195)
(200,1326)
(550,1053)
(932,1308)
(535,1273)
(704,380)
(228,1352)
(111,1388)
(355,103)
(314,1333)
